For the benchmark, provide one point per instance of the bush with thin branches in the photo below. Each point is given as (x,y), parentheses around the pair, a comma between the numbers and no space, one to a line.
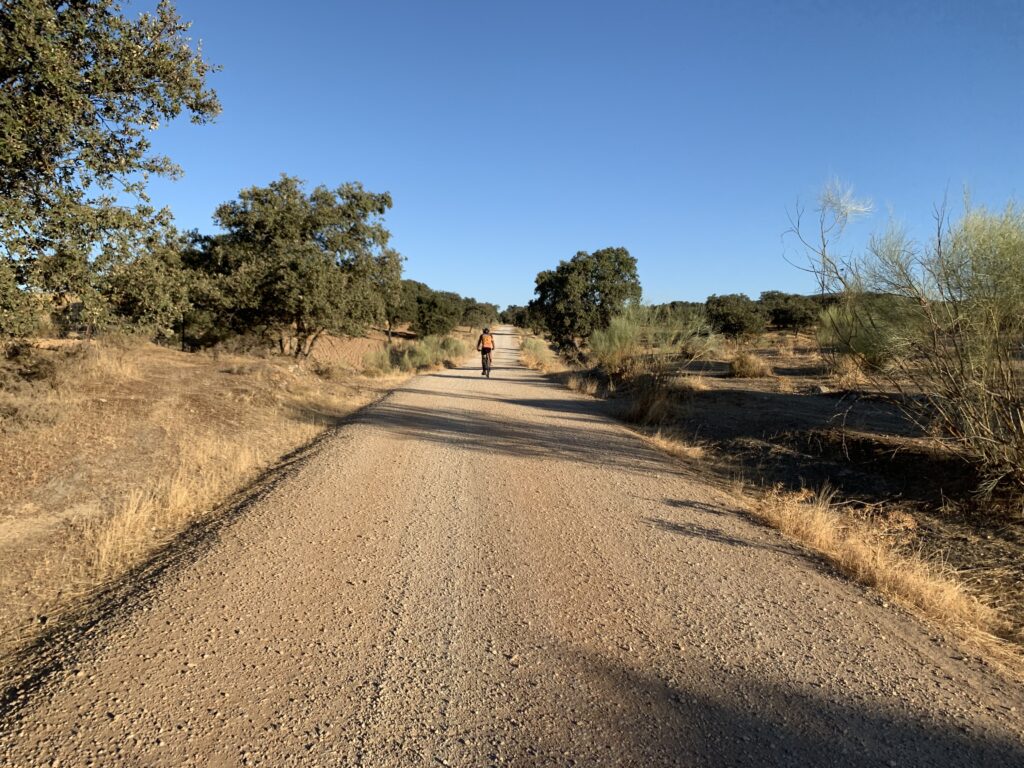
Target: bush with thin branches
(949,317)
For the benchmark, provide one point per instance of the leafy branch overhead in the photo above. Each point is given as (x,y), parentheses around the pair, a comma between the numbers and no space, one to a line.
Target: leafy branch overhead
(81,86)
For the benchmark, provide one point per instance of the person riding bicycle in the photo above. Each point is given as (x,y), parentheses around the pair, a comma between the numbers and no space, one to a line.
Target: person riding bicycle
(485,346)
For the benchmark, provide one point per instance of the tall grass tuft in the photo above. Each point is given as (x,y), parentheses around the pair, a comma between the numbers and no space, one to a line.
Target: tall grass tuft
(618,347)
(749,366)
(536,354)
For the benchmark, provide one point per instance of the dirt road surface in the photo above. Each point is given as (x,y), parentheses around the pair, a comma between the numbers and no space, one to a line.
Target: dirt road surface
(481,572)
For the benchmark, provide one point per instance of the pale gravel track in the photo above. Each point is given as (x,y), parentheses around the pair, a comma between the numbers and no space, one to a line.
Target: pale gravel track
(482,572)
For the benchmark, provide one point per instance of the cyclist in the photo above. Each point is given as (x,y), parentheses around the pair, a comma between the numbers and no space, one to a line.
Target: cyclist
(485,346)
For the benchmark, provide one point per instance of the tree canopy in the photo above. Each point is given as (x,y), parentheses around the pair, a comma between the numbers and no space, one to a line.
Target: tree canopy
(295,264)
(583,294)
(80,86)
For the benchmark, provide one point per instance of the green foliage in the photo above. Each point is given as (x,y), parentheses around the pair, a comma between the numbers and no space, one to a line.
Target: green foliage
(17,315)
(615,347)
(515,315)
(476,314)
(872,328)
(651,340)
(582,295)
(789,311)
(735,314)
(152,291)
(80,86)
(437,313)
(297,265)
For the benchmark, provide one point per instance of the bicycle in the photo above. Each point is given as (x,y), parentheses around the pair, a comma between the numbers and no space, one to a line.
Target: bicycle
(486,360)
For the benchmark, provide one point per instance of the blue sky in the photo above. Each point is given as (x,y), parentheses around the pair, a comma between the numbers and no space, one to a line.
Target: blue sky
(513,134)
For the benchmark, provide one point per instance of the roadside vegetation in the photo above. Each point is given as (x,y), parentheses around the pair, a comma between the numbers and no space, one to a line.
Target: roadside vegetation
(877,422)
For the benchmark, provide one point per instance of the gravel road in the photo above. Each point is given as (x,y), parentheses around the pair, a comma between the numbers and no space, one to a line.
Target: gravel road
(480,572)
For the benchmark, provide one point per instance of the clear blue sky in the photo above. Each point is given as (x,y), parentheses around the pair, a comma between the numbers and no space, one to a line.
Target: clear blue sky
(513,134)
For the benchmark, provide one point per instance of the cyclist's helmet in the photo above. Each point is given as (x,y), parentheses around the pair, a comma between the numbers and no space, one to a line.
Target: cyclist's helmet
(487,330)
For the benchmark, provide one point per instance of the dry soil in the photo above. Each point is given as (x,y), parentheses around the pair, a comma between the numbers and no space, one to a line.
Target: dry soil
(478,572)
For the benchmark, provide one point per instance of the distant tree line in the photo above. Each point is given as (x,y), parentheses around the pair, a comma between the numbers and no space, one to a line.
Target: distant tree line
(583,294)
(736,314)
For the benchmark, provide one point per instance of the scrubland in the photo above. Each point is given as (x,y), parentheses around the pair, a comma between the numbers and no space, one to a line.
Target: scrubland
(811,445)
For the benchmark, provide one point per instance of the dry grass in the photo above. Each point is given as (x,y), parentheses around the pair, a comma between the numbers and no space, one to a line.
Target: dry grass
(536,354)
(676,446)
(583,384)
(689,384)
(115,450)
(814,520)
(847,372)
(784,386)
(648,403)
(749,366)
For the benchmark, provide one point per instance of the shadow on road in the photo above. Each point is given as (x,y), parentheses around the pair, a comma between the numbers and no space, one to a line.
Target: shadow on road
(596,441)
(737,718)
(713,534)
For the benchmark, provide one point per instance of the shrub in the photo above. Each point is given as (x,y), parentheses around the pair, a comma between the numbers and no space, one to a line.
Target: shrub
(873,329)
(377,361)
(615,347)
(735,314)
(748,366)
(535,353)
(949,318)
(411,356)
(789,310)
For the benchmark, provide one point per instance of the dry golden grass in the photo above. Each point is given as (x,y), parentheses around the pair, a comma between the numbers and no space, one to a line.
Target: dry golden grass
(687,384)
(847,372)
(583,384)
(784,386)
(116,450)
(536,354)
(676,446)
(816,522)
(749,366)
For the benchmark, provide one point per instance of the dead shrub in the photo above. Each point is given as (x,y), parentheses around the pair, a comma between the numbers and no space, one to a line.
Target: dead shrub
(749,366)
(583,384)
(648,401)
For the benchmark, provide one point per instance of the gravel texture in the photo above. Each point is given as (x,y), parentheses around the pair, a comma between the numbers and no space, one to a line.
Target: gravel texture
(481,572)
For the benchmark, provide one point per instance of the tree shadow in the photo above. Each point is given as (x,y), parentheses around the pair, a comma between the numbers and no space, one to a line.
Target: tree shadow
(725,715)
(593,442)
(713,534)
